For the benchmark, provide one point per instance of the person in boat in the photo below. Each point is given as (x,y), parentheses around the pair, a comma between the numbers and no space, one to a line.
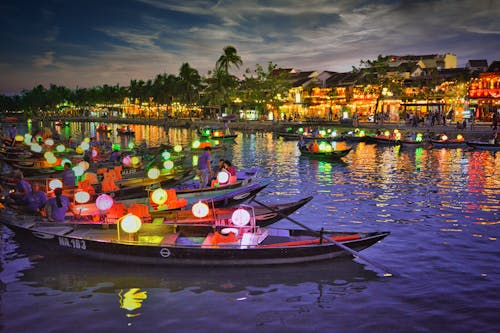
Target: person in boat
(22,190)
(229,168)
(204,167)
(37,200)
(114,156)
(218,167)
(68,175)
(313,146)
(57,206)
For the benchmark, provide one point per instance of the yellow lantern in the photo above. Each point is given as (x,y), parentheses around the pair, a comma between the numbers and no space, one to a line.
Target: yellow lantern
(135,160)
(159,196)
(131,223)
(153,173)
(19,138)
(200,209)
(196,144)
(79,150)
(387,133)
(178,148)
(460,137)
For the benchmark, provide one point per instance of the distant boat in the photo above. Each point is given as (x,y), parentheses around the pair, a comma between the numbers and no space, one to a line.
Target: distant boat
(484,145)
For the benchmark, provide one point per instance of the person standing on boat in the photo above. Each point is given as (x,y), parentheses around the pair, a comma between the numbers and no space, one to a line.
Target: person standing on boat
(57,206)
(37,199)
(204,167)
(68,175)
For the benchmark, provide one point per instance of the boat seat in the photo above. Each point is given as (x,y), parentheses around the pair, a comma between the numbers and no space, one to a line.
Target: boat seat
(141,211)
(170,239)
(116,211)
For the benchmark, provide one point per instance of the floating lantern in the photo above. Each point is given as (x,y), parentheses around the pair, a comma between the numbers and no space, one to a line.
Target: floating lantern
(36,148)
(126,160)
(104,201)
(131,223)
(178,148)
(223,177)
(131,145)
(165,155)
(49,142)
(196,144)
(60,148)
(79,170)
(85,145)
(55,183)
(159,196)
(82,197)
(168,165)
(200,209)
(135,160)
(153,173)
(240,217)
(19,138)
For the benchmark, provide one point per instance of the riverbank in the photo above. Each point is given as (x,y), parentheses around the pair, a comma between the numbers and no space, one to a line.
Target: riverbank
(478,131)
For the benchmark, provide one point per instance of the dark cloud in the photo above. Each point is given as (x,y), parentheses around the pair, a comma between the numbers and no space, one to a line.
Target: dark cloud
(88,43)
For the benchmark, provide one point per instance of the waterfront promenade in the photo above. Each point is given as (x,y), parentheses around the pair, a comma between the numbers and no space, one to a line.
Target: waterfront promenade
(481,130)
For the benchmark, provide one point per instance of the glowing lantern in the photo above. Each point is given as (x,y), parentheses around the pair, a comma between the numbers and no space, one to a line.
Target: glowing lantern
(328,148)
(36,148)
(168,165)
(216,142)
(397,135)
(84,164)
(334,134)
(460,137)
(27,138)
(85,145)
(387,133)
(55,183)
(322,146)
(86,140)
(126,160)
(362,133)
(116,147)
(200,209)
(131,223)
(79,170)
(60,148)
(153,173)
(51,159)
(135,160)
(206,132)
(196,144)
(159,196)
(240,217)
(444,137)
(48,154)
(178,148)
(82,197)
(49,142)
(165,155)
(223,177)
(300,130)
(131,145)
(19,138)
(195,160)
(65,160)
(104,201)
(322,132)
(94,153)
(79,150)
(419,137)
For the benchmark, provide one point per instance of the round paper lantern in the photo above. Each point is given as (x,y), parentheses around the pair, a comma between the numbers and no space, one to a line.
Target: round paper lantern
(223,177)
(196,144)
(444,137)
(51,159)
(116,147)
(200,209)
(126,160)
(240,217)
(27,138)
(131,223)
(178,148)
(460,137)
(165,155)
(387,133)
(79,170)
(168,165)
(419,137)
(60,148)
(55,183)
(94,153)
(86,140)
(19,138)
(66,160)
(153,173)
(104,202)
(85,145)
(131,145)
(36,148)
(135,160)
(159,196)
(79,150)
(82,197)
(49,142)
(48,154)
(84,164)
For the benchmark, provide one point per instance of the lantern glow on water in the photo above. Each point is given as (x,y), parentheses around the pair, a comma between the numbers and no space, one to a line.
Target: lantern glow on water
(82,197)
(104,202)
(159,196)
(153,173)
(240,217)
(200,209)
(131,223)
(168,165)
(223,177)
(55,183)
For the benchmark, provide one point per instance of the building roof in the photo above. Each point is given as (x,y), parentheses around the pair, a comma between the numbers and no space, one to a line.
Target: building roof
(477,63)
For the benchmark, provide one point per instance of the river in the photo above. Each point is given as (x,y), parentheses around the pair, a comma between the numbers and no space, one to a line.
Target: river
(440,205)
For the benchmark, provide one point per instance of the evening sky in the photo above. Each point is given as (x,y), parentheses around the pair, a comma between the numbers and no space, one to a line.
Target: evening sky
(85,43)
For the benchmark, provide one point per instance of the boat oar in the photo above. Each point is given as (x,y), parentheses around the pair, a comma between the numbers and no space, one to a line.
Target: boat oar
(340,245)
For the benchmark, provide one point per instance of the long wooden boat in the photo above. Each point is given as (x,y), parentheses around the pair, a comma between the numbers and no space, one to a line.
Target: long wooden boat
(484,145)
(321,155)
(217,133)
(238,244)
(448,143)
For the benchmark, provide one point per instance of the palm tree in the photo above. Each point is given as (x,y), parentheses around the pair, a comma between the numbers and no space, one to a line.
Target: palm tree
(189,84)
(230,57)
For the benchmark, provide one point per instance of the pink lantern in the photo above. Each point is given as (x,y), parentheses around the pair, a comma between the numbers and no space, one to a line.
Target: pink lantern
(104,202)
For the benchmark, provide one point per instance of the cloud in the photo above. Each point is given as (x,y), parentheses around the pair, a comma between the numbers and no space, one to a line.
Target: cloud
(44,60)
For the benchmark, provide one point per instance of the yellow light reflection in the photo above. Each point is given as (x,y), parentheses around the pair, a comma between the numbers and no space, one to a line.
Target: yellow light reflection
(132,300)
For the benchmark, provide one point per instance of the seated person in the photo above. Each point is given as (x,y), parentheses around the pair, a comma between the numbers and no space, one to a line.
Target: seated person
(68,175)
(37,199)
(22,191)
(57,206)
(229,168)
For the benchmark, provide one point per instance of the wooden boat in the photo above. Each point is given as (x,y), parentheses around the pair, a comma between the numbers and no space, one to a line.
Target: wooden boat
(442,141)
(217,133)
(484,145)
(239,243)
(332,155)
(325,151)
